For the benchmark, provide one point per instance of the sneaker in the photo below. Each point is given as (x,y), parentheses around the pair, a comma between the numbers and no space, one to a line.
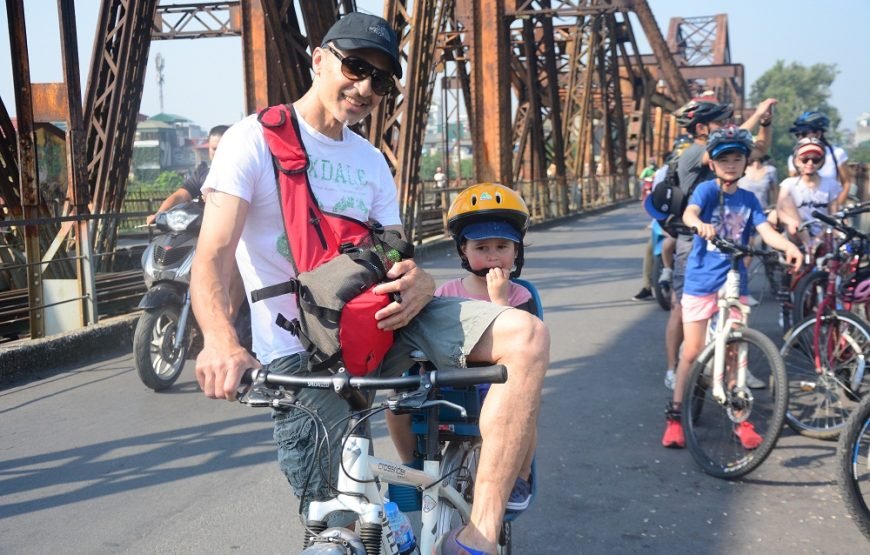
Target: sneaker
(674,436)
(644,294)
(670,379)
(747,435)
(449,545)
(521,496)
(752,301)
(754,383)
(666,276)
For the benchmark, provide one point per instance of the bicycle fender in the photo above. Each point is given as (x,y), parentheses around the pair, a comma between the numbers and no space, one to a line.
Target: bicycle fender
(161,294)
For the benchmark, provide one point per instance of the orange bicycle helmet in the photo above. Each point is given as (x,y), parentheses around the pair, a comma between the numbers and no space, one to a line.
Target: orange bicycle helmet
(488,210)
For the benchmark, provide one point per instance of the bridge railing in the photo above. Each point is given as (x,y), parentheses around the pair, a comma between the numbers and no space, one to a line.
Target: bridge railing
(543,197)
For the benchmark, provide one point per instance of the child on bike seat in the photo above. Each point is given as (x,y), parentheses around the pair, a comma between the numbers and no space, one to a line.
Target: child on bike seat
(488,222)
(717,207)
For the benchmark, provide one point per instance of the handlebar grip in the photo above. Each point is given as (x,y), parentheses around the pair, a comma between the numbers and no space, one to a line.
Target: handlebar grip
(458,377)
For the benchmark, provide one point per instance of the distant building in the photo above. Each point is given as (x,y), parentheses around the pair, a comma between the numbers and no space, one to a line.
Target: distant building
(862,129)
(166,142)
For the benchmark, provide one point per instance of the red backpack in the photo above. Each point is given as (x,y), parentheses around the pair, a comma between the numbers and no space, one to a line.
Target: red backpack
(338,260)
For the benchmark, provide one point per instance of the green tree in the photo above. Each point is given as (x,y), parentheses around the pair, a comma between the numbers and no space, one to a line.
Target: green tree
(860,153)
(797,88)
(169,181)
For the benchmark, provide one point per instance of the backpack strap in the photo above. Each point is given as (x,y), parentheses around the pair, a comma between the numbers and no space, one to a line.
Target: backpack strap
(283,288)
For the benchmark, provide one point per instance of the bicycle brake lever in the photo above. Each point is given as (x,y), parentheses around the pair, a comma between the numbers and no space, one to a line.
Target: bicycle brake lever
(448,404)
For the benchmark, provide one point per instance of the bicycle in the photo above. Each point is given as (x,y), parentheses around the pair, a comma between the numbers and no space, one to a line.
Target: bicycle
(446,480)
(853,466)
(810,290)
(717,396)
(826,353)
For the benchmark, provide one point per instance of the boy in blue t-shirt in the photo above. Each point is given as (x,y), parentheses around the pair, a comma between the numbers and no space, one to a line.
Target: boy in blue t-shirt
(718,207)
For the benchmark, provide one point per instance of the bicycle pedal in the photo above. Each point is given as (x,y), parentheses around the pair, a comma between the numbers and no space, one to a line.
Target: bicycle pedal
(807,386)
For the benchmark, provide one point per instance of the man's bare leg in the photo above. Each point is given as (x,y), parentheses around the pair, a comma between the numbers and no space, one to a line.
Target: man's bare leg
(507,421)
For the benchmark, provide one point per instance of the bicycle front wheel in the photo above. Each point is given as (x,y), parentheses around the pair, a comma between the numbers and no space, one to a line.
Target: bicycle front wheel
(459,469)
(826,372)
(716,433)
(853,466)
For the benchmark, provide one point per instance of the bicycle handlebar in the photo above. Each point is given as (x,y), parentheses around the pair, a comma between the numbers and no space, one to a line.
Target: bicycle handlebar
(733,249)
(444,377)
(840,226)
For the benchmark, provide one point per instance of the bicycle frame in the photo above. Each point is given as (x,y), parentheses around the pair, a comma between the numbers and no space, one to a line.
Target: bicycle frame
(359,475)
(729,298)
(828,303)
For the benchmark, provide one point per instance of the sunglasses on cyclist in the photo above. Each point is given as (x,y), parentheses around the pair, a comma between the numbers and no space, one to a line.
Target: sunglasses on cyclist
(357,69)
(806,159)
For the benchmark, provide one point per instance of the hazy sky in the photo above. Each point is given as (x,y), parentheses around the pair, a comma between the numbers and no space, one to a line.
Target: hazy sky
(203,78)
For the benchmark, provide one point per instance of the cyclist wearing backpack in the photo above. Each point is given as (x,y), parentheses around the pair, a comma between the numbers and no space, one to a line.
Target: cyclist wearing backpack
(717,207)
(813,125)
(700,117)
(353,70)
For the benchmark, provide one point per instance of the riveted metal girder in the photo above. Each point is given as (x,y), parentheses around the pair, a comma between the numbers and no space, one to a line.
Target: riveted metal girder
(121,45)
(703,41)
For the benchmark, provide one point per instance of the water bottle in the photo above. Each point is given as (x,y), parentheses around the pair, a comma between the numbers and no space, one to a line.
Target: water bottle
(401,527)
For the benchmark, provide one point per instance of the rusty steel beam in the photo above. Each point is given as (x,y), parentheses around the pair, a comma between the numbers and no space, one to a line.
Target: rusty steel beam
(27,163)
(288,49)
(676,84)
(197,21)
(701,42)
(112,104)
(255,57)
(490,110)
(77,177)
(9,185)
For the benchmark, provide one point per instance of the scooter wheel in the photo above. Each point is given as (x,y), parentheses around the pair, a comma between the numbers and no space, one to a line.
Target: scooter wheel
(157,362)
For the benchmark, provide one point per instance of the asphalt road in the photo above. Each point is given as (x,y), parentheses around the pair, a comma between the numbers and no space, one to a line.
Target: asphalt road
(92,462)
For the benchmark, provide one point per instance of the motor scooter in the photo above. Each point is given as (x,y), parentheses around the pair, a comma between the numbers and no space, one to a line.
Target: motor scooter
(167,333)
(164,333)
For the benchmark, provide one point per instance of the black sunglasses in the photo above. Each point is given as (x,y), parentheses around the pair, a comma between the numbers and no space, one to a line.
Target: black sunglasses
(806,159)
(357,69)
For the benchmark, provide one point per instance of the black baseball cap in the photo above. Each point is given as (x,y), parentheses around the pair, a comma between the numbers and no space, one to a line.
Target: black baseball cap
(358,30)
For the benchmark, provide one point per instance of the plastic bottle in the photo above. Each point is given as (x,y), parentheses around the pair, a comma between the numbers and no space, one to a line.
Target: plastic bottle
(401,527)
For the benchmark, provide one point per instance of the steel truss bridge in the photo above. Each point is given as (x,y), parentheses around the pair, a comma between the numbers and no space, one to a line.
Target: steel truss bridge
(560,104)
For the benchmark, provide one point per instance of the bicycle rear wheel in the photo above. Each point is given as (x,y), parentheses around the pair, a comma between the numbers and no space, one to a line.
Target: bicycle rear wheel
(820,399)
(808,294)
(459,465)
(711,427)
(853,466)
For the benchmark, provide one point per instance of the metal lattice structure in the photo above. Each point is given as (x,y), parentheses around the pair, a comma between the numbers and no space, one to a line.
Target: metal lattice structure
(556,98)
(703,44)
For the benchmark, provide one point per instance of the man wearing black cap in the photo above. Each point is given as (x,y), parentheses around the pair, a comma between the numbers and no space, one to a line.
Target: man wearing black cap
(354,69)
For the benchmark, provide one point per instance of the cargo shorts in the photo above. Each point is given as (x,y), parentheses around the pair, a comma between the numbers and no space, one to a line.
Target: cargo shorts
(446,330)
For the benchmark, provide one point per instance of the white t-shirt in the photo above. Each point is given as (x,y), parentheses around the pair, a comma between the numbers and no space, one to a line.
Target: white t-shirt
(807,199)
(348,177)
(829,168)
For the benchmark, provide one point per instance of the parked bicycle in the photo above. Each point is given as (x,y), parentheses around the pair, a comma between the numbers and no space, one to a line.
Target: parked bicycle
(853,466)
(717,395)
(826,353)
(449,465)
(854,292)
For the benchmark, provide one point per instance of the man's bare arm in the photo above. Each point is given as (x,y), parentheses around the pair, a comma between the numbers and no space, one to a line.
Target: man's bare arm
(223,359)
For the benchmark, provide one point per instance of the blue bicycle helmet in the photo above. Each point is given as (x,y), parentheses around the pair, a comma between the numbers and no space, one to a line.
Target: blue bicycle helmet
(810,121)
(728,139)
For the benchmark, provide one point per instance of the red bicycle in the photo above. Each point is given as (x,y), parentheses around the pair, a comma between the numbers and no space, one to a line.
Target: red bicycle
(826,353)
(853,293)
